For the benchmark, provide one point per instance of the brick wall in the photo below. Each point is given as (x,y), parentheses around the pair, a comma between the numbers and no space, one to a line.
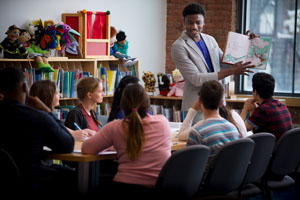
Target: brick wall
(220,18)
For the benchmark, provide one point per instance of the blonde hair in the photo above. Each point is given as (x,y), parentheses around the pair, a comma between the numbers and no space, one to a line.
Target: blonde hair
(86,85)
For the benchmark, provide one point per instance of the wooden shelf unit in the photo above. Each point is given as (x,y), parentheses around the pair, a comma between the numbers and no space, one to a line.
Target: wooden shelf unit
(89,65)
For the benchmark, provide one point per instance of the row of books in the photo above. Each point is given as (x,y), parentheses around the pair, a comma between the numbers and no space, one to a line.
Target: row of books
(65,80)
(62,111)
(111,78)
(173,114)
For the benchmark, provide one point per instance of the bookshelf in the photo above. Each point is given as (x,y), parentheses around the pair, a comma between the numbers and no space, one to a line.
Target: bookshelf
(88,65)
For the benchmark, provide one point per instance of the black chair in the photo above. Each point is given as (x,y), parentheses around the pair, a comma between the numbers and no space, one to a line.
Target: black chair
(227,169)
(285,160)
(181,175)
(9,172)
(264,144)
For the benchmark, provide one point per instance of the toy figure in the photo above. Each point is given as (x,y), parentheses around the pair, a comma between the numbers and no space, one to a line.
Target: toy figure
(164,86)
(177,87)
(149,80)
(36,30)
(119,50)
(65,37)
(49,39)
(11,46)
(35,52)
(113,33)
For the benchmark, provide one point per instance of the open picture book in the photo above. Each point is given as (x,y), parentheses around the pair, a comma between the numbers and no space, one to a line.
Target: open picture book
(240,48)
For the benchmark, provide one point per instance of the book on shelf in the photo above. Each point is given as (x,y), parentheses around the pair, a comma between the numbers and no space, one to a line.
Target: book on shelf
(173,114)
(112,75)
(103,76)
(111,79)
(240,48)
(65,80)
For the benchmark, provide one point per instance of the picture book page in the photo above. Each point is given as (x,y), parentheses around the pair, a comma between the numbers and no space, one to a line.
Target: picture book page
(236,48)
(240,48)
(258,52)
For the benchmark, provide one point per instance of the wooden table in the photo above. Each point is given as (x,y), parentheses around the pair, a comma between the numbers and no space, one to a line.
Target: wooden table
(85,160)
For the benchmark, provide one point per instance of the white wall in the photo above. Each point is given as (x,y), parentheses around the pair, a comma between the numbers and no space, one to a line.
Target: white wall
(144,22)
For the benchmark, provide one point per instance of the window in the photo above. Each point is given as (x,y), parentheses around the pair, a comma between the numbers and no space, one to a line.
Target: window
(280,20)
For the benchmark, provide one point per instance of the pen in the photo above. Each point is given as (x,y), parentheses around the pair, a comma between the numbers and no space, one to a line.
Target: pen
(78,128)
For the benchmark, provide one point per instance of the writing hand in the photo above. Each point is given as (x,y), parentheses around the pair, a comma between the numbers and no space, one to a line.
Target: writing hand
(90,132)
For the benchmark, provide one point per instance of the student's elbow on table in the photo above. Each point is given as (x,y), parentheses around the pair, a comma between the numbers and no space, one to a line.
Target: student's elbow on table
(85,149)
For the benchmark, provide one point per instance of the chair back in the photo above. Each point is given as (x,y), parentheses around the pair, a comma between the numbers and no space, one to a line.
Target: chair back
(286,153)
(182,173)
(228,168)
(264,144)
(9,172)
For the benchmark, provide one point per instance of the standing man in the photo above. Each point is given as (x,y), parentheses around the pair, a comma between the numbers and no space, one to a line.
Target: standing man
(198,56)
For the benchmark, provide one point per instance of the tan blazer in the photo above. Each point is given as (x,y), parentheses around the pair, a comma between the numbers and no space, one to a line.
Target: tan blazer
(189,59)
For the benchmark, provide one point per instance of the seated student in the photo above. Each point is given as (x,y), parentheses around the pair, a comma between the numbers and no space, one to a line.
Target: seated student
(224,112)
(142,142)
(89,93)
(269,115)
(46,91)
(214,131)
(116,112)
(27,130)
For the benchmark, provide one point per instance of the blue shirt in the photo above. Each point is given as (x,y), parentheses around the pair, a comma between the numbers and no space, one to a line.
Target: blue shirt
(204,50)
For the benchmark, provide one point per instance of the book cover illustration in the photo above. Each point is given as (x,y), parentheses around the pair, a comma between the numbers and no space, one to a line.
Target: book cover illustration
(240,48)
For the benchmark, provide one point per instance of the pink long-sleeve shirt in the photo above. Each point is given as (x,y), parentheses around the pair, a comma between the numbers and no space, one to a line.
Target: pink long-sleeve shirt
(157,149)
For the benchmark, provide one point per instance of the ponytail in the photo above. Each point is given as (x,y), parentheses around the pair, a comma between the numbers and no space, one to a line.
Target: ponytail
(135,135)
(135,104)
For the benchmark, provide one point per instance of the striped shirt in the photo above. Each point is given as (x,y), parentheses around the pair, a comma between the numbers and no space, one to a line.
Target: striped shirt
(214,133)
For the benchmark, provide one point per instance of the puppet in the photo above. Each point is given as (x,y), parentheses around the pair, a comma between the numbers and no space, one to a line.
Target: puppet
(163,83)
(177,86)
(35,52)
(149,80)
(11,46)
(119,50)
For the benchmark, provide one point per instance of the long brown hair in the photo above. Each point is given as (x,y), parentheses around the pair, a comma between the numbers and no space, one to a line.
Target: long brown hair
(44,90)
(225,112)
(135,104)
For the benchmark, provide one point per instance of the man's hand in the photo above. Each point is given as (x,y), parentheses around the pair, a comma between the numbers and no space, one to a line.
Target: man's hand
(241,68)
(35,102)
(252,35)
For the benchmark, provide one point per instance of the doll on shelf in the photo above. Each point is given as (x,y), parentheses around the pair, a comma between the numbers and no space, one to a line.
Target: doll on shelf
(163,84)
(35,52)
(177,86)
(11,47)
(120,47)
